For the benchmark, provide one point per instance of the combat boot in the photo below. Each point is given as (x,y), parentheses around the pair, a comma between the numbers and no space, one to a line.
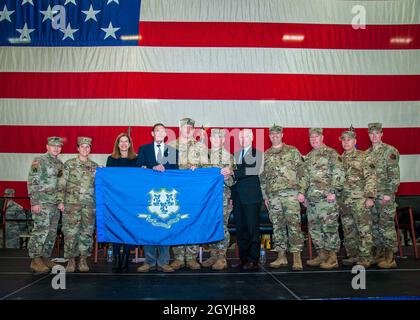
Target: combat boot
(297,262)
(280,261)
(378,255)
(220,264)
(331,262)
(389,260)
(350,261)
(144,268)
(364,262)
(193,265)
(209,262)
(166,268)
(322,256)
(71,265)
(83,267)
(177,264)
(50,264)
(37,265)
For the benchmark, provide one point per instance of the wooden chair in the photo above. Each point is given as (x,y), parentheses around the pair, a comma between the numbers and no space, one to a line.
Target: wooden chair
(404,220)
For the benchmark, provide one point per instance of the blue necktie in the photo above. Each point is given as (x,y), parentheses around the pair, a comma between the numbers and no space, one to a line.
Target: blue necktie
(241,157)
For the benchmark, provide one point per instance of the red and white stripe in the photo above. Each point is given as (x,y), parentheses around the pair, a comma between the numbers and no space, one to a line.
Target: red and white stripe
(224,63)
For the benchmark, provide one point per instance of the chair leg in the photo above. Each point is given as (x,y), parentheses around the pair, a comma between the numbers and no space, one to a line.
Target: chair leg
(310,246)
(398,234)
(413,233)
(95,254)
(200,254)
(57,245)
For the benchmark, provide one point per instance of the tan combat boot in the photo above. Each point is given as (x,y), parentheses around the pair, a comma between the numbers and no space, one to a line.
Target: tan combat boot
(331,262)
(177,264)
(193,265)
(209,262)
(378,255)
(144,268)
(364,262)
(389,261)
(71,265)
(220,264)
(37,265)
(166,268)
(83,267)
(350,261)
(297,262)
(322,256)
(50,264)
(280,261)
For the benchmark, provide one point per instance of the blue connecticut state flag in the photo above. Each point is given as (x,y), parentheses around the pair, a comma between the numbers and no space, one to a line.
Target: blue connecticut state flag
(146,207)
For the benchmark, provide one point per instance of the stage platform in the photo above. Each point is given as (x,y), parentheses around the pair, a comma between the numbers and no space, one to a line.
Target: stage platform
(18,283)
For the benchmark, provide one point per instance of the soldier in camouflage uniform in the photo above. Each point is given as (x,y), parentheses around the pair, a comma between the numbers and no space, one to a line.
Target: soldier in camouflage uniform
(77,197)
(386,160)
(191,154)
(43,189)
(356,201)
(221,158)
(14,229)
(323,180)
(283,169)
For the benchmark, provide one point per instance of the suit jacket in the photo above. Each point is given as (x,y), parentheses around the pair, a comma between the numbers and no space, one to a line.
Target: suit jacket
(146,157)
(247,188)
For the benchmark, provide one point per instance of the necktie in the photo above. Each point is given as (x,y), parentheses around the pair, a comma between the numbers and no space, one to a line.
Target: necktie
(159,155)
(241,157)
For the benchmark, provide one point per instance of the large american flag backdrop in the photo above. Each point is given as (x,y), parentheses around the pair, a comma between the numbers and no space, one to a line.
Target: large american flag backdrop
(225,63)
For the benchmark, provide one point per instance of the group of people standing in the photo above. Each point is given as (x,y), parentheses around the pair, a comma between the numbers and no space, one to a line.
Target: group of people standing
(358,185)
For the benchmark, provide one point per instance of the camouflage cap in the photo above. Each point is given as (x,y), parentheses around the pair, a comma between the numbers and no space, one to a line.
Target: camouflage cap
(55,141)
(82,140)
(218,132)
(315,130)
(276,128)
(376,126)
(348,134)
(186,121)
(9,192)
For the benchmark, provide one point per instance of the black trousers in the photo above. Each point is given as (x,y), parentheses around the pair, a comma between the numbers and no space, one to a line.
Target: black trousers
(247,217)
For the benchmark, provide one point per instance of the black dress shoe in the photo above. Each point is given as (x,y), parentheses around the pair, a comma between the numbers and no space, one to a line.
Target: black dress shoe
(239,264)
(117,264)
(250,266)
(124,262)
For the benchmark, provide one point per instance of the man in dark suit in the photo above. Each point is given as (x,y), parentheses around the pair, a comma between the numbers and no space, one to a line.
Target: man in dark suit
(160,157)
(157,155)
(247,199)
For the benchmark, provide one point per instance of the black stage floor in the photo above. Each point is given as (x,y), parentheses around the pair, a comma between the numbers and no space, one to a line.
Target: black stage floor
(18,283)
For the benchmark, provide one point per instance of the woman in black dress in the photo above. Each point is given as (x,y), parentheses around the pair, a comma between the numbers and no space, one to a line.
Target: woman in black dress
(123,155)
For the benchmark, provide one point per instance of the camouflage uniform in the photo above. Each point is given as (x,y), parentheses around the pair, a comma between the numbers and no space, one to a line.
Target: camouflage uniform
(14,228)
(323,175)
(192,153)
(386,160)
(43,189)
(221,158)
(359,184)
(78,197)
(283,168)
